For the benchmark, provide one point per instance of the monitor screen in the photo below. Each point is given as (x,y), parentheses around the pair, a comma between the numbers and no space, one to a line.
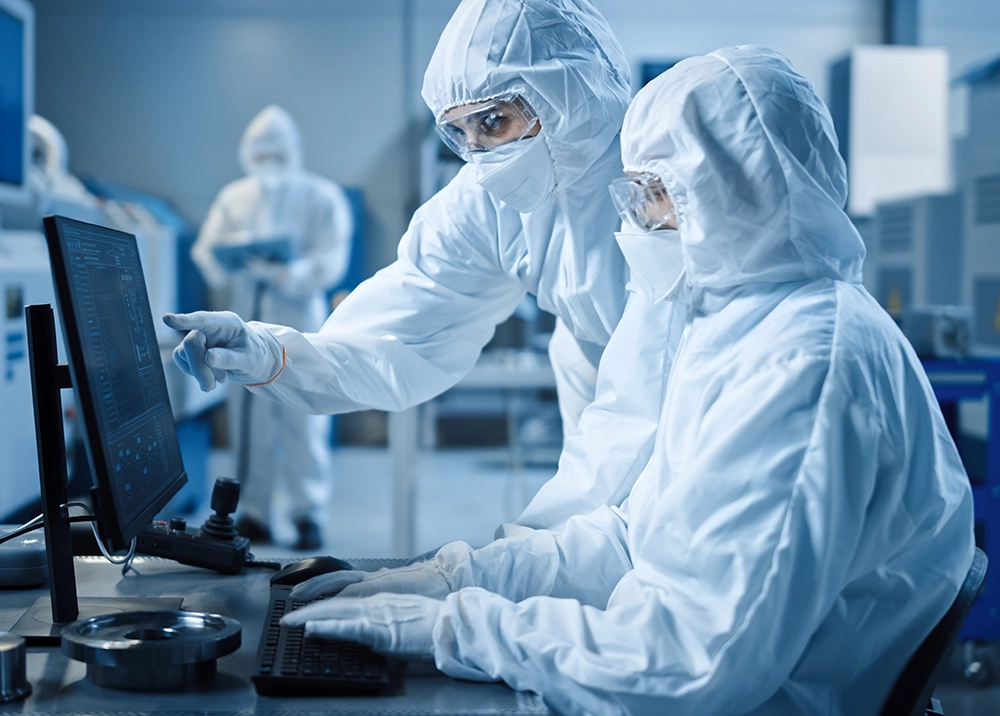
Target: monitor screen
(11,99)
(117,373)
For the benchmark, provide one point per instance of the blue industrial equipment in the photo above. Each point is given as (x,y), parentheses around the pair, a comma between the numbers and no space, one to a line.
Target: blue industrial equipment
(973,380)
(17,101)
(651,69)
(356,272)
(977,171)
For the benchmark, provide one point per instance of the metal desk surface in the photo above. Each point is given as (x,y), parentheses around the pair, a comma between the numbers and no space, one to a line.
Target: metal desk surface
(60,685)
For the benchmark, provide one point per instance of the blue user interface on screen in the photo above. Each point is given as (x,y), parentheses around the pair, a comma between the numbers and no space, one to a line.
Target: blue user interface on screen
(122,360)
(11,99)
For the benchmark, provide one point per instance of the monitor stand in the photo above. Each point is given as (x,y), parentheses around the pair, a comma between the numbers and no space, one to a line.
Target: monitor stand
(41,623)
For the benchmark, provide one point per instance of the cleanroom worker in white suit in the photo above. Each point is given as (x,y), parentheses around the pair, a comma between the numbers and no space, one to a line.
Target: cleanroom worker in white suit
(277,443)
(804,520)
(532,93)
(56,190)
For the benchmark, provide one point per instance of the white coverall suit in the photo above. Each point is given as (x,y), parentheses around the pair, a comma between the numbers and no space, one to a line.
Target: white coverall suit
(284,444)
(416,327)
(804,520)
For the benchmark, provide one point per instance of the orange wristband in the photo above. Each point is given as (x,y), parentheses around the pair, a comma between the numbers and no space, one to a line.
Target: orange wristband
(284,361)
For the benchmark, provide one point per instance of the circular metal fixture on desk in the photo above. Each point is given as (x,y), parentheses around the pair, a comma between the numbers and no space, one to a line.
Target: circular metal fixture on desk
(150,651)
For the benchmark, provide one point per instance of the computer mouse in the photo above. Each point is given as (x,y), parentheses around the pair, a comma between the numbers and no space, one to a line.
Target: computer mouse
(298,572)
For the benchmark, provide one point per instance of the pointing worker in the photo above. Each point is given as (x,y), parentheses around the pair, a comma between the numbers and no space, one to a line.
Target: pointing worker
(532,94)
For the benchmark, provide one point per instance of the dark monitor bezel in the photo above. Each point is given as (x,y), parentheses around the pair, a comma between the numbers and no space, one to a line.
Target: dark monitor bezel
(110,519)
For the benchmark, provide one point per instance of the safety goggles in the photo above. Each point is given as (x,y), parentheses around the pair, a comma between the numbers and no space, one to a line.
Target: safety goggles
(483,126)
(642,201)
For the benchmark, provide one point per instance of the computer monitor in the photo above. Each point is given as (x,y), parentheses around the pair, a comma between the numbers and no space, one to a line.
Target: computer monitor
(117,374)
(121,394)
(17,85)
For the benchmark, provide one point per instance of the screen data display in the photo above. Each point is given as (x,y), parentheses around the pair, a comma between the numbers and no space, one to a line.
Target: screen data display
(121,358)
(11,100)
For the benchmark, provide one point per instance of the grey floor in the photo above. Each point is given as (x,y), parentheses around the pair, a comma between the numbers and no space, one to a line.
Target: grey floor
(464,495)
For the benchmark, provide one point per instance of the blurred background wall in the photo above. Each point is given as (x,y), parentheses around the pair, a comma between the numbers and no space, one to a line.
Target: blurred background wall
(155,94)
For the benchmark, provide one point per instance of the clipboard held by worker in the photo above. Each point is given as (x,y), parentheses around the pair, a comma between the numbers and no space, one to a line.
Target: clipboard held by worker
(235,257)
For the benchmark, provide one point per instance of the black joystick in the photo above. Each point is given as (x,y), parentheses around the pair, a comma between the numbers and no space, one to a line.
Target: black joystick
(225,497)
(215,546)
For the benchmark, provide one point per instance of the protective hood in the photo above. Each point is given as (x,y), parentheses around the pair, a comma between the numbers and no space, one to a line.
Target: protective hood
(748,153)
(49,146)
(56,190)
(271,131)
(560,55)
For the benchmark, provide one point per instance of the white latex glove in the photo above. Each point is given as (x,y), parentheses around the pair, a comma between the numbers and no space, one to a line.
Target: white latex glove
(399,625)
(424,578)
(220,345)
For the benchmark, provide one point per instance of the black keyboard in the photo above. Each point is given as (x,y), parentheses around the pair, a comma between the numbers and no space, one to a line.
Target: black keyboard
(291,664)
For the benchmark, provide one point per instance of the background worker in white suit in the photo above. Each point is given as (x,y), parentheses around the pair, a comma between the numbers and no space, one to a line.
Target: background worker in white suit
(276,443)
(531,93)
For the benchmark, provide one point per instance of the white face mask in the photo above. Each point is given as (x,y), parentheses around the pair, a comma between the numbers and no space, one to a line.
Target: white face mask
(655,260)
(271,172)
(518,174)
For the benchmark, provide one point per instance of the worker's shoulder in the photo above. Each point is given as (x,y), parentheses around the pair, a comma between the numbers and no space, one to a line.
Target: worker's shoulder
(864,328)
(837,330)
(803,322)
(838,316)
(818,322)
(237,188)
(773,328)
(871,359)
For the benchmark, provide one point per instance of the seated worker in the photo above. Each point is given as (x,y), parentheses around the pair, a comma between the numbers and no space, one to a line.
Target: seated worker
(804,520)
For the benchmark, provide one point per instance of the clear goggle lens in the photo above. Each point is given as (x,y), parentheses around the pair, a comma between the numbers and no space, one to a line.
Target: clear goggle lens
(642,200)
(483,126)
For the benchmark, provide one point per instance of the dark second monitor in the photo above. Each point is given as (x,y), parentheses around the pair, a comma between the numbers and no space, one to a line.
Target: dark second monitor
(117,374)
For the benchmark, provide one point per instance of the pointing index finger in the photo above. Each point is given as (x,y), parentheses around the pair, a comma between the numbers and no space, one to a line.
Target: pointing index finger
(185,321)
